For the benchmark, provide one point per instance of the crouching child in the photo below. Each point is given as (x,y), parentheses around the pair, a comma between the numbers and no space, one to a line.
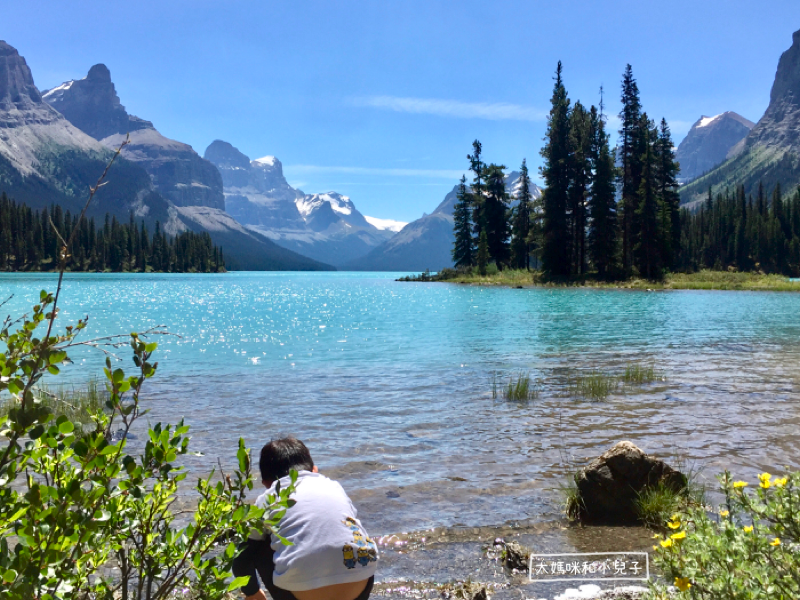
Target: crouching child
(331,557)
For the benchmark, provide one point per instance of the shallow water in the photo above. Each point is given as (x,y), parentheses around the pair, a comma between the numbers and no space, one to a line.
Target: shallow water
(390,383)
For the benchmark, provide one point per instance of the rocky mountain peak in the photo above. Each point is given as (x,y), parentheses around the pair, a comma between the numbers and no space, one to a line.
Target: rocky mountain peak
(17,90)
(93,106)
(225,155)
(779,128)
(710,141)
(787,77)
(100,73)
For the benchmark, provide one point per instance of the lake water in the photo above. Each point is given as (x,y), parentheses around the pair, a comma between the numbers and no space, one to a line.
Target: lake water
(390,383)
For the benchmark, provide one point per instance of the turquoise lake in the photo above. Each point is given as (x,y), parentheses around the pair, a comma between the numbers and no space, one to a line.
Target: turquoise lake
(390,383)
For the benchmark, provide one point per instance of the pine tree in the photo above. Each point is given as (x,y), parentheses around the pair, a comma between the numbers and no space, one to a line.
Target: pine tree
(521,227)
(666,173)
(482,258)
(580,179)
(555,172)
(630,154)
(463,246)
(647,249)
(604,227)
(495,215)
(477,167)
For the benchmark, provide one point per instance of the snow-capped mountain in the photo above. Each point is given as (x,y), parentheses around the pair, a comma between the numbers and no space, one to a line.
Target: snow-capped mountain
(324,226)
(46,159)
(709,142)
(770,153)
(386,224)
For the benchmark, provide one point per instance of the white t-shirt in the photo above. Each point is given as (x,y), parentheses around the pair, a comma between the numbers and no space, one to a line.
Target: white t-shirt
(330,545)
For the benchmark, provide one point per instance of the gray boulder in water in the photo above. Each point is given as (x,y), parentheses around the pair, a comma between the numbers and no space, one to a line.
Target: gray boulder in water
(609,486)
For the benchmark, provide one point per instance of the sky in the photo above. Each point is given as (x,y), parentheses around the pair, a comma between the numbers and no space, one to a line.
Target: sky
(381,100)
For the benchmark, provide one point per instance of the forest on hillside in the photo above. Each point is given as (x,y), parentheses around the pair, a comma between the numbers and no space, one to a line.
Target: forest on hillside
(29,242)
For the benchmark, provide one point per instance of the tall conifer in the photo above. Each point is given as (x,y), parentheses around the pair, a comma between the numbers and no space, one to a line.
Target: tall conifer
(555,172)
(604,224)
(463,246)
(521,227)
(630,155)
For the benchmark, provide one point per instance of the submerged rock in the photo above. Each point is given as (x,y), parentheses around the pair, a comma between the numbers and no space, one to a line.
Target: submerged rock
(609,486)
(514,556)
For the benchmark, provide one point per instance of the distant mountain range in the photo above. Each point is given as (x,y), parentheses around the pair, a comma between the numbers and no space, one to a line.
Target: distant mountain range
(46,158)
(426,243)
(326,227)
(709,142)
(770,153)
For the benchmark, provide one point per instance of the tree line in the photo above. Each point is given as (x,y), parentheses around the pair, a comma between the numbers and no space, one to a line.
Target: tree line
(579,225)
(29,242)
(738,231)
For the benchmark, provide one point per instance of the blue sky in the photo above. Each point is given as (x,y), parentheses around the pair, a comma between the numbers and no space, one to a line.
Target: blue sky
(380,100)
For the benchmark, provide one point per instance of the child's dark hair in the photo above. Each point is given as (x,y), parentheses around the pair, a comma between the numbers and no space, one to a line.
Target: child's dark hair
(279,457)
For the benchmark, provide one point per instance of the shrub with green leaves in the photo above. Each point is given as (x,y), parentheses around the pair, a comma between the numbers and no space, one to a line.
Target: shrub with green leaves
(749,549)
(81,516)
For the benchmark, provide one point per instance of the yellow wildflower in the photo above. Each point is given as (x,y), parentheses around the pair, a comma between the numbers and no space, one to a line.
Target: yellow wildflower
(748,528)
(739,484)
(678,536)
(666,543)
(781,481)
(682,583)
(656,536)
(775,542)
(723,513)
(764,479)
(674,524)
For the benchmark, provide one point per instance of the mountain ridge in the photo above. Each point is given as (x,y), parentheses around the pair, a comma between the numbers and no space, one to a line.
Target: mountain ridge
(325,226)
(770,154)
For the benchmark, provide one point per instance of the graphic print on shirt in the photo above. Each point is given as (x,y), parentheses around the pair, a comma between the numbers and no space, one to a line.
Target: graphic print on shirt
(367,550)
(349,556)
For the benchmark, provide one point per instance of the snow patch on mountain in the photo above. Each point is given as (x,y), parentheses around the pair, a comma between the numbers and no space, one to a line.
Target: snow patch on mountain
(385,224)
(704,120)
(266,160)
(338,203)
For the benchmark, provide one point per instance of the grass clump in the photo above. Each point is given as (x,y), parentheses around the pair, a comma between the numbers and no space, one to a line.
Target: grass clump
(521,389)
(656,504)
(573,503)
(640,374)
(76,403)
(595,385)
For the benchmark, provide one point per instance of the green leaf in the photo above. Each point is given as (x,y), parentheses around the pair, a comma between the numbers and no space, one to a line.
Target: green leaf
(238,582)
(53,370)
(118,375)
(151,347)
(66,427)
(10,575)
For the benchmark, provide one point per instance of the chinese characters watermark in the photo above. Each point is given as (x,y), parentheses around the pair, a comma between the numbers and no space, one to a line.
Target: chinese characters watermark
(581,566)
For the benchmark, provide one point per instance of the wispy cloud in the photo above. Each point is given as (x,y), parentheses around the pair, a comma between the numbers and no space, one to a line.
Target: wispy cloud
(295,171)
(495,111)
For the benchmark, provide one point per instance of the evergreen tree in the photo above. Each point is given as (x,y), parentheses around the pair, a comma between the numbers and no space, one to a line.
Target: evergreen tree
(495,215)
(630,155)
(463,246)
(482,258)
(604,227)
(666,173)
(580,179)
(477,167)
(647,249)
(521,227)
(555,171)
